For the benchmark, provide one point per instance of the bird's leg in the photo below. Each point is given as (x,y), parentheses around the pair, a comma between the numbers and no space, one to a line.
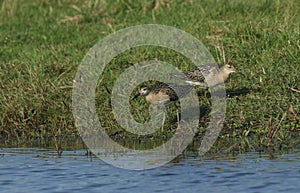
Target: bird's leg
(178,118)
(177,112)
(164,116)
(206,92)
(163,122)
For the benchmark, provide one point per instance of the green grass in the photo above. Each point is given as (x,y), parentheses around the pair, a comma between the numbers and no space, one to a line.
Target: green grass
(43,42)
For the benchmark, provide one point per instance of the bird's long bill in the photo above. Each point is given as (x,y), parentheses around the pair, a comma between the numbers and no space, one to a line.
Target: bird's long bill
(136,95)
(239,72)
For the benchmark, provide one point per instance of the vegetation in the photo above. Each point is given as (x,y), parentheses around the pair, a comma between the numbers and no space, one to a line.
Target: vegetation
(42,42)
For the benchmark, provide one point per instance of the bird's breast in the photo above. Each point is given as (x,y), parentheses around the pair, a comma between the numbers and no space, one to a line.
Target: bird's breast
(157,98)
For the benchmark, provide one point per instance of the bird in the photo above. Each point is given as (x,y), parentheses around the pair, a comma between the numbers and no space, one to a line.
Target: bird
(208,75)
(163,94)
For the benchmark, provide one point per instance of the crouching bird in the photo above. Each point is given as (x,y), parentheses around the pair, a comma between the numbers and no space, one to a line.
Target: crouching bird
(163,94)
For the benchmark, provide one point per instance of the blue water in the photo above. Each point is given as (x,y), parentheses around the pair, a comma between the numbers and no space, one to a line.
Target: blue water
(40,170)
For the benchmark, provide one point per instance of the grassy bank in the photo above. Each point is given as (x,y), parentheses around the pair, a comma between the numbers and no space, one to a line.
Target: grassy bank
(43,42)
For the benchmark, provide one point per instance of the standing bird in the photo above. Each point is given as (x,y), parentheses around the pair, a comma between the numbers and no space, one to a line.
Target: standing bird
(163,94)
(208,75)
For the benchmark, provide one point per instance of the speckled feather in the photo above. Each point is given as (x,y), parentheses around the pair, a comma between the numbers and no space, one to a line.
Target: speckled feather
(169,89)
(165,92)
(214,75)
(197,74)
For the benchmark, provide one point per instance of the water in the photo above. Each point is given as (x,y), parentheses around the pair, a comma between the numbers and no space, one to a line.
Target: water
(40,170)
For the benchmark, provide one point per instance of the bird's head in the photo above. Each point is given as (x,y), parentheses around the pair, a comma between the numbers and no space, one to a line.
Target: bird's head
(143,91)
(229,68)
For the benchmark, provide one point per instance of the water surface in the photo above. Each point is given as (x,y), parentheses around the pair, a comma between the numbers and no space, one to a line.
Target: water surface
(40,170)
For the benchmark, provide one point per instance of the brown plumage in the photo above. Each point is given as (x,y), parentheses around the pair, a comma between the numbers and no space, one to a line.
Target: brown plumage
(214,75)
(164,93)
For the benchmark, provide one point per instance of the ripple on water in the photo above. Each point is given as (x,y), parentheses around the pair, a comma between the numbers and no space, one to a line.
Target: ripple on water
(40,170)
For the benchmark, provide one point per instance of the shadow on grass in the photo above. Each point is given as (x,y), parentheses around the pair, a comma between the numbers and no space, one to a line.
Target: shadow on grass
(241,92)
(230,92)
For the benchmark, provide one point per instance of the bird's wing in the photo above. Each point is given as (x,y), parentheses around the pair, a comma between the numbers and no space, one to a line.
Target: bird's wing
(195,75)
(158,87)
(208,69)
(175,91)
